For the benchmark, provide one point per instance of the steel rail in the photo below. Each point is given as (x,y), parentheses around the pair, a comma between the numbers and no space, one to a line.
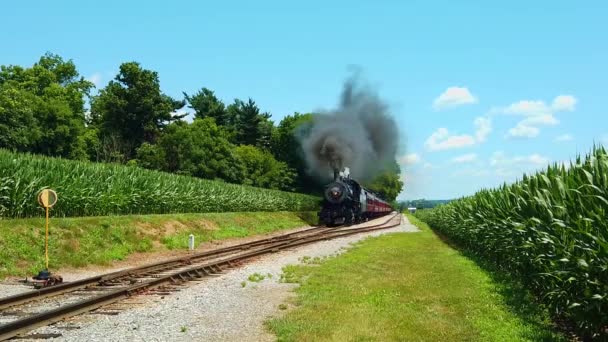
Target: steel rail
(59,289)
(46,292)
(21,326)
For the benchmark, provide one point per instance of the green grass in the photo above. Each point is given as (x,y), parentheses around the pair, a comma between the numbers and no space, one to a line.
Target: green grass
(404,287)
(256,277)
(77,242)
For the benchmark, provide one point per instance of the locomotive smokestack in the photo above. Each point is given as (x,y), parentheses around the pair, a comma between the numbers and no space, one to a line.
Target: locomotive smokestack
(335,166)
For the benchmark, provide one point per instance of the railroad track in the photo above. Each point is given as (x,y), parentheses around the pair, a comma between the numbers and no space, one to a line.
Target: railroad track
(112,287)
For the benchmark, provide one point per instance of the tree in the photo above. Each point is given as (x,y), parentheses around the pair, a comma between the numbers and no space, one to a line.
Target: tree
(207,105)
(18,128)
(263,170)
(53,92)
(233,114)
(248,123)
(285,146)
(151,157)
(247,126)
(265,130)
(133,108)
(199,149)
(388,183)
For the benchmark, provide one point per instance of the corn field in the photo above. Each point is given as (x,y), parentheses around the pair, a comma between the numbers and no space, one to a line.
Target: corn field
(549,230)
(95,189)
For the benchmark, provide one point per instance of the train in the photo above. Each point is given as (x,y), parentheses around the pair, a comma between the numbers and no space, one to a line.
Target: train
(345,201)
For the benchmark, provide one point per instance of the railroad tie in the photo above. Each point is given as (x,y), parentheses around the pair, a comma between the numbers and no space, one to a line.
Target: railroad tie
(38,336)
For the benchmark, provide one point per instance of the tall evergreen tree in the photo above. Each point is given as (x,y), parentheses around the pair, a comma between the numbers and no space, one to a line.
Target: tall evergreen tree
(206,105)
(265,131)
(248,123)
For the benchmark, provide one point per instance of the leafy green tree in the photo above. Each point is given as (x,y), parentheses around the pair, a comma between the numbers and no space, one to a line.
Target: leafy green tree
(285,146)
(133,108)
(90,139)
(388,183)
(263,170)
(55,96)
(151,157)
(18,128)
(199,149)
(207,105)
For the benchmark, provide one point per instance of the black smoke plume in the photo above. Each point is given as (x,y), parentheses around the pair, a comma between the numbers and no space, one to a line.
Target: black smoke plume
(360,134)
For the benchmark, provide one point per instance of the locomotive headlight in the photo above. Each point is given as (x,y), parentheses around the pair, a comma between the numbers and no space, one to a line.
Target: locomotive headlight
(334,193)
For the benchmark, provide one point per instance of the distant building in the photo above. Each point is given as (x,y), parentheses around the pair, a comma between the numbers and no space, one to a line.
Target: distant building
(411,209)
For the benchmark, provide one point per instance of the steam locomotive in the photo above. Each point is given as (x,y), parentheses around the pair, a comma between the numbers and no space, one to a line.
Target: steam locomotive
(346,201)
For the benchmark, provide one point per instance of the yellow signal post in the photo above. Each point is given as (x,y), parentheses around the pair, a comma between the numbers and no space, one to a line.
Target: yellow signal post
(47,199)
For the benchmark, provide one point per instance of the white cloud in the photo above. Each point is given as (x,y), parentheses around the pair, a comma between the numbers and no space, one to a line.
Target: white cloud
(427,165)
(528,127)
(537,113)
(528,108)
(523,131)
(452,97)
(465,158)
(515,167)
(95,79)
(409,159)
(564,137)
(536,159)
(416,183)
(564,103)
(540,120)
(499,160)
(484,127)
(441,139)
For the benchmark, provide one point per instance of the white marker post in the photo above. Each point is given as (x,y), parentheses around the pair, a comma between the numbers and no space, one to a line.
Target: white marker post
(191,242)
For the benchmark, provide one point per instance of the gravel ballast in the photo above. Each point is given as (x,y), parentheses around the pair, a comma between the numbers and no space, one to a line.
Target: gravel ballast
(218,308)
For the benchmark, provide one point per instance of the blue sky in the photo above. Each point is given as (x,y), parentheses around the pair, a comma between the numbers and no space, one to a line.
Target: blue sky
(481,92)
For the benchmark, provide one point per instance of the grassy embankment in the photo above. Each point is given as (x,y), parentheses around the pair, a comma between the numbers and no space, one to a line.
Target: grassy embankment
(406,287)
(82,241)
